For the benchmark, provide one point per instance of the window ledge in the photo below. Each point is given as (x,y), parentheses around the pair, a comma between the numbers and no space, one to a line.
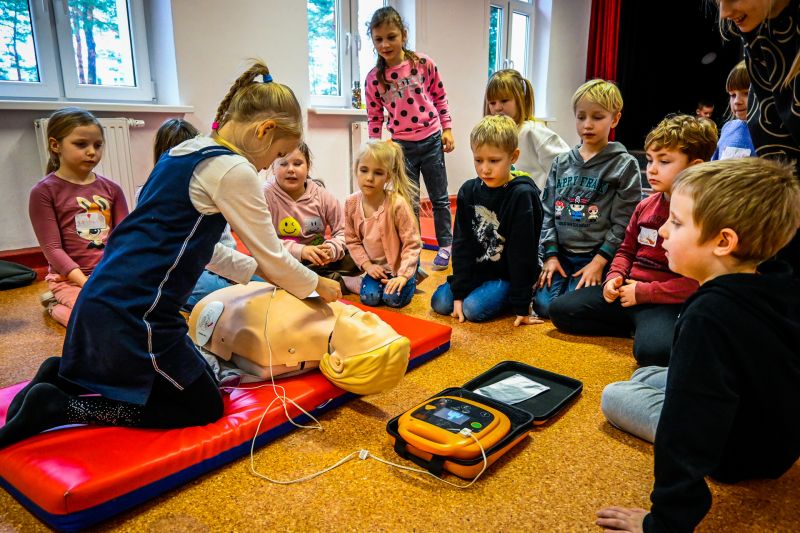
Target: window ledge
(50,105)
(348,111)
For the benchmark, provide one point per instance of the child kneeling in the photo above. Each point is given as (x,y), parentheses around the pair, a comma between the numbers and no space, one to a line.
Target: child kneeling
(641,293)
(498,220)
(730,406)
(381,231)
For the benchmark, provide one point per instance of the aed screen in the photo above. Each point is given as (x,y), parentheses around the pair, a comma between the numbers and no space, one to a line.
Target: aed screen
(451,415)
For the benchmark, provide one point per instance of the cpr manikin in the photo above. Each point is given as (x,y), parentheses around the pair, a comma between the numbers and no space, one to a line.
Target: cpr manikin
(268,332)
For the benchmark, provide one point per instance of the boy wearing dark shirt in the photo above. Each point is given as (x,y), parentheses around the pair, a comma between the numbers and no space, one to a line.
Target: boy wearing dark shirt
(498,220)
(730,408)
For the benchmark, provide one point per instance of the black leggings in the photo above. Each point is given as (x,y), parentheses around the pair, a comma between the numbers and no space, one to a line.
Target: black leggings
(585,312)
(199,403)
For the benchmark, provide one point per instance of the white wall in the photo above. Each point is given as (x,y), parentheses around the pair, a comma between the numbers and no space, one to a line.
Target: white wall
(212,45)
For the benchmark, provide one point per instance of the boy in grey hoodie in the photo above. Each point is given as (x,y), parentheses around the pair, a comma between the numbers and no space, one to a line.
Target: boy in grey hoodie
(589,198)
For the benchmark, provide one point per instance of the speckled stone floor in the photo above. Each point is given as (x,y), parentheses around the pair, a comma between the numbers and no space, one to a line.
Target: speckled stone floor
(554,481)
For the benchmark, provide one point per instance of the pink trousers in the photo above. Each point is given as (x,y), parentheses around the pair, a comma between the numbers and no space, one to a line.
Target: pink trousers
(66,293)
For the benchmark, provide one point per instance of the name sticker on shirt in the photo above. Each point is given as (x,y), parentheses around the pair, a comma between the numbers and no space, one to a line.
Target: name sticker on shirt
(648,236)
(207,321)
(89,221)
(732,152)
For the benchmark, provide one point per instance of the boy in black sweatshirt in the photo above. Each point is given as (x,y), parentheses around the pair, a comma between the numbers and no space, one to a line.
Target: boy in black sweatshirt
(731,406)
(498,220)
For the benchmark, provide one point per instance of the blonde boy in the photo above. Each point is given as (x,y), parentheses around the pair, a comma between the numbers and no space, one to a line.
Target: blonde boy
(589,197)
(731,402)
(641,293)
(498,220)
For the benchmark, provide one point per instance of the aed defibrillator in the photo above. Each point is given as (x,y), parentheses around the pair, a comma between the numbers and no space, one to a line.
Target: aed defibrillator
(463,430)
(442,426)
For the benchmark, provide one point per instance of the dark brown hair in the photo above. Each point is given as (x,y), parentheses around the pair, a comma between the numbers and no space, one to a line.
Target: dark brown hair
(171,133)
(389,15)
(61,123)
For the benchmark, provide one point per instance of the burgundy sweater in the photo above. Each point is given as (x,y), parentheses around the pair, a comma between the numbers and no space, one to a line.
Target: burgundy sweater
(641,257)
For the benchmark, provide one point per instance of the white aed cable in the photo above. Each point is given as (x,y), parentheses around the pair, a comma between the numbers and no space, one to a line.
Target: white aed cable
(361,454)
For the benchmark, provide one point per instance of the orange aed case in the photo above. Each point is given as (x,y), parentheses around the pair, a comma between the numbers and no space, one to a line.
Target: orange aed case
(436,426)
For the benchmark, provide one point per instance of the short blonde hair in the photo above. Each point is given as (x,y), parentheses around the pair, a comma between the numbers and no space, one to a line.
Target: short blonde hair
(757,198)
(693,136)
(495,130)
(510,84)
(601,92)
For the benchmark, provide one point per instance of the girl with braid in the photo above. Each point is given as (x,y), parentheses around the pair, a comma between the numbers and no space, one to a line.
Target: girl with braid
(126,344)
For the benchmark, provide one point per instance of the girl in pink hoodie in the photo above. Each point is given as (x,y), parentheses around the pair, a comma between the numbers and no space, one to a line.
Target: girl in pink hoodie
(308,218)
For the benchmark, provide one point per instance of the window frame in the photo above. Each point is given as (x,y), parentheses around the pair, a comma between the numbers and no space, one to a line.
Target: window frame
(55,59)
(349,44)
(508,8)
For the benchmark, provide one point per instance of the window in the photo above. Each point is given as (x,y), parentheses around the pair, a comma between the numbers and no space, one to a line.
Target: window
(340,50)
(510,36)
(74,49)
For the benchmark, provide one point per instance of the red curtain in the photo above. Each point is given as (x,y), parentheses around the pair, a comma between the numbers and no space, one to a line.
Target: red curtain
(601,60)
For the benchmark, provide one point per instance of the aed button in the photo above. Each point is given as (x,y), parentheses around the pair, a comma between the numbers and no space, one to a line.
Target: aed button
(476,425)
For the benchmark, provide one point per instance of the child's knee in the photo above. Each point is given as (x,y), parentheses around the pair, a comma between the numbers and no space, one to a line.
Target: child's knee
(613,398)
(541,303)
(370,298)
(475,311)
(442,300)
(396,300)
(651,353)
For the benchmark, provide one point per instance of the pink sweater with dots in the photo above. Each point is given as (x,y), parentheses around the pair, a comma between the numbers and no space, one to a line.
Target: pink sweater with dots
(415,101)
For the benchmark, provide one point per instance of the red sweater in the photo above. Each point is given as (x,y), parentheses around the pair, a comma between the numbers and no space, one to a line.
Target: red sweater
(641,257)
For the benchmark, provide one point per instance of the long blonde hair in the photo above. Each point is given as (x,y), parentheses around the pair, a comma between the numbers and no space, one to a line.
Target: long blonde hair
(389,155)
(250,99)
(509,83)
(727,25)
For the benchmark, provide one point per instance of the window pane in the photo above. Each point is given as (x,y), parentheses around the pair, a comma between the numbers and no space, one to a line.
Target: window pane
(323,44)
(519,43)
(17,52)
(101,40)
(366,55)
(495,38)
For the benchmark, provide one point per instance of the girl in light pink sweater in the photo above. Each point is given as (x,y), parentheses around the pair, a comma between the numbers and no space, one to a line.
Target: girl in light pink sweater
(308,218)
(381,231)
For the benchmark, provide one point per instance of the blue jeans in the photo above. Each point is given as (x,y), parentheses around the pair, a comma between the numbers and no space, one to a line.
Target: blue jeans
(207,283)
(635,406)
(373,293)
(427,156)
(484,303)
(571,263)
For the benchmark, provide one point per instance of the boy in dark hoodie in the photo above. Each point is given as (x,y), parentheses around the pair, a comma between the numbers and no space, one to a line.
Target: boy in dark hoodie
(589,198)
(730,408)
(498,220)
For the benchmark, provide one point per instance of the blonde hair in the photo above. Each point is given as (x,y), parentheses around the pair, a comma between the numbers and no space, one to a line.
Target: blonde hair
(495,130)
(728,25)
(509,84)
(757,198)
(390,156)
(61,123)
(389,15)
(693,136)
(251,100)
(601,92)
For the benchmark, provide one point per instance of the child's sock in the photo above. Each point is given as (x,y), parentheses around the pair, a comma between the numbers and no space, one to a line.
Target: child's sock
(47,373)
(44,407)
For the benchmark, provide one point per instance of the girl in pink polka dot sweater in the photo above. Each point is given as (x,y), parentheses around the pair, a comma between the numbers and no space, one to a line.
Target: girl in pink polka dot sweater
(408,86)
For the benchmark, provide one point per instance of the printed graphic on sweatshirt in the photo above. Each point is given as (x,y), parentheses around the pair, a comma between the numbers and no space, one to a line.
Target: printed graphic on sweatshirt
(485,225)
(577,200)
(93,223)
(288,228)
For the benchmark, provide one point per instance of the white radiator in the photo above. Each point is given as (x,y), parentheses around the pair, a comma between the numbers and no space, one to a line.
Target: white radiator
(116,162)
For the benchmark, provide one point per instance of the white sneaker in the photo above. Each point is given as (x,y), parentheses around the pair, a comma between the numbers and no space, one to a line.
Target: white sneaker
(47,299)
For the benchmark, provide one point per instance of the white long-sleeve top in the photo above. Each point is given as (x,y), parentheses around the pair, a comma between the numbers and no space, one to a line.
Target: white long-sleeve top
(230,185)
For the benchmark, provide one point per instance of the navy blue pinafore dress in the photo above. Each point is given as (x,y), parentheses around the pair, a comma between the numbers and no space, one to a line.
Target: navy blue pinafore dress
(126,329)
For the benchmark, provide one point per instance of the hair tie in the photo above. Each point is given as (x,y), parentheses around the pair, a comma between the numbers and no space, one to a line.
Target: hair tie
(214,125)
(267,78)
